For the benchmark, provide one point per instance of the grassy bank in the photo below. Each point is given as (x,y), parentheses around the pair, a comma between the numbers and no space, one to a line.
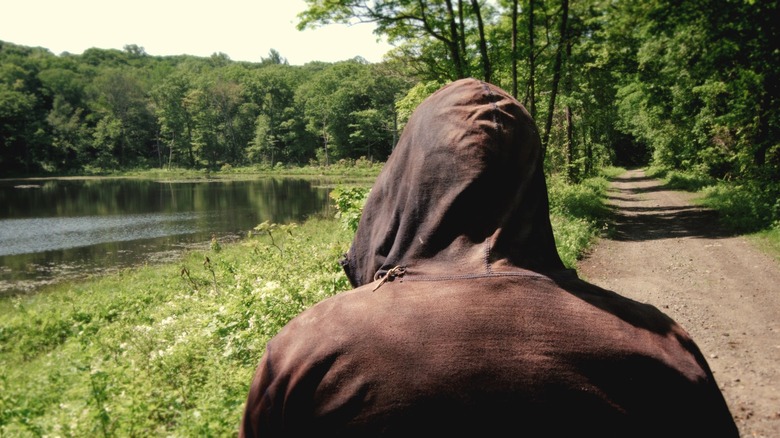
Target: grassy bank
(169,350)
(341,170)
(159,350)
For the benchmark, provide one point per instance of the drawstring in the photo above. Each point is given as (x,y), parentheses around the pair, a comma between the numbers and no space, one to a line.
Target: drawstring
(389,276)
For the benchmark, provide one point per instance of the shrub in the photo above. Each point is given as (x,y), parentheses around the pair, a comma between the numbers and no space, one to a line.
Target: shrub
(578,213)
(743,206)
(746,207)
(349,205)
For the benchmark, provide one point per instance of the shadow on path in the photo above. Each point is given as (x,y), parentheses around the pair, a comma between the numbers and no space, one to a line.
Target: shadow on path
(638,215)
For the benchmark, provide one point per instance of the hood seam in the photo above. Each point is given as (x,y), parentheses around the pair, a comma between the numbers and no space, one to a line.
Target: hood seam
(421,277)
(493,105)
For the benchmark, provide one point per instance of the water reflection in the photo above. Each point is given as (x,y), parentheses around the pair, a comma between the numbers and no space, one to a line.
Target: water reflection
(56,229)
(22,236)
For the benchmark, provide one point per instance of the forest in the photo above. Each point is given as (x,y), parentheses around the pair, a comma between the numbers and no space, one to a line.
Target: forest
(684,85)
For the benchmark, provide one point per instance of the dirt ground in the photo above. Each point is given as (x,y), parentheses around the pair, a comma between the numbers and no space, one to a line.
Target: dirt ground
(666,252)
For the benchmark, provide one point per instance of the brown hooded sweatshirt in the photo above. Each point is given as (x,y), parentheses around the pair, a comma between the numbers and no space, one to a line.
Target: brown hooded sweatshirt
(464,321)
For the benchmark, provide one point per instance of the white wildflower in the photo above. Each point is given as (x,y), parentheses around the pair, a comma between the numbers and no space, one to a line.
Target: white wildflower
(271,286)
(169,320)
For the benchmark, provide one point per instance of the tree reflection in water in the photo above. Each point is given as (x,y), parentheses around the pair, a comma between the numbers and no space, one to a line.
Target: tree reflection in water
(56,229)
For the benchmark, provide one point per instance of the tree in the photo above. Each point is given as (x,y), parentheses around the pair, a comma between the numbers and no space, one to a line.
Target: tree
(531,93)
(348,97)
(702,89)
(16,108)
(514,48)
(274,58)
(263,146)
(686,85)
(64,86)
(418,23)
(367,129)
(23,138)
(119,97)
(205,140)
(556,72)
(175,118)
(69,139)
(486,67)
(278,131)
(327,101)
(107,139)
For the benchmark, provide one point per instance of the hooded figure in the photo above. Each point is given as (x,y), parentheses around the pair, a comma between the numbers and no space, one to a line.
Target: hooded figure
(464,320)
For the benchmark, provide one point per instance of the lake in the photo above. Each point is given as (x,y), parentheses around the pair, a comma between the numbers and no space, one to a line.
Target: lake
(58,229)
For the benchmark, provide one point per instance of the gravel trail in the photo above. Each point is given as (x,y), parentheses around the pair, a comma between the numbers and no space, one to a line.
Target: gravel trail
(664,251)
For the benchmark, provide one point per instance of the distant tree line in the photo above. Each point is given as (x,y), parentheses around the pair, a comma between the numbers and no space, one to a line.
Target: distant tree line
(689,85)
(110,109)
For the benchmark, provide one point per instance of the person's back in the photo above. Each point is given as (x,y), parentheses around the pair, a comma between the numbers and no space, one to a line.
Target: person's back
(464,320)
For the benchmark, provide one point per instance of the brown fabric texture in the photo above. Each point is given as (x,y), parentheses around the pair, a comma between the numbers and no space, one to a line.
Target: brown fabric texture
(464,321)
(463,189)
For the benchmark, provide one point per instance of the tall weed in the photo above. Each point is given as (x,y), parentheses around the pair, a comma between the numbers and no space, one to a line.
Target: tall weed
(578,213)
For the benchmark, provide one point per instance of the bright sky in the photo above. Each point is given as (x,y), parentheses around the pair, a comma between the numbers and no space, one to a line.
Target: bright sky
(245,30)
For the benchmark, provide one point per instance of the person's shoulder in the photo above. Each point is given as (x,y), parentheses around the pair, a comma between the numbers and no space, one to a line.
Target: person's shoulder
(638,314)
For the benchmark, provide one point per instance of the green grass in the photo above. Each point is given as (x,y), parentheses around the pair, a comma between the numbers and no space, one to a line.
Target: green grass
(360,169)
(746,207)
(768,241)
(159,350)
(169,350)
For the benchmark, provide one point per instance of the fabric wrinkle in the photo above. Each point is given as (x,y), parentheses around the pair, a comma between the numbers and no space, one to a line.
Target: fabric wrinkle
(490,95)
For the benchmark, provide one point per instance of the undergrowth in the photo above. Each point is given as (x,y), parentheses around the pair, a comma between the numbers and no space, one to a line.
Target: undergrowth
(743,206)
(578,213)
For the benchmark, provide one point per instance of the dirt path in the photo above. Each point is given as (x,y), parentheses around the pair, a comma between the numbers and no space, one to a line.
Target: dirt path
(668,253)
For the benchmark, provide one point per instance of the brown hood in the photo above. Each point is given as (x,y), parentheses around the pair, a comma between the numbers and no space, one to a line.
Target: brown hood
(463,193)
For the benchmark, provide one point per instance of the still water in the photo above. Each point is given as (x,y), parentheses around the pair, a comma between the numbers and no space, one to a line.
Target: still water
(57,229)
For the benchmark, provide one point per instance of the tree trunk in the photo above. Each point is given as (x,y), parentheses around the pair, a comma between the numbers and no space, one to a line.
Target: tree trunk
(157,147)
(531,98)
(486,69)
(514,48)
(325,145)
(556,73)
(462,26)
(190,152)
(586,141)
(571,170)
(569,146)
(170,150)
(395,127)
(759,154)
(453,44)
